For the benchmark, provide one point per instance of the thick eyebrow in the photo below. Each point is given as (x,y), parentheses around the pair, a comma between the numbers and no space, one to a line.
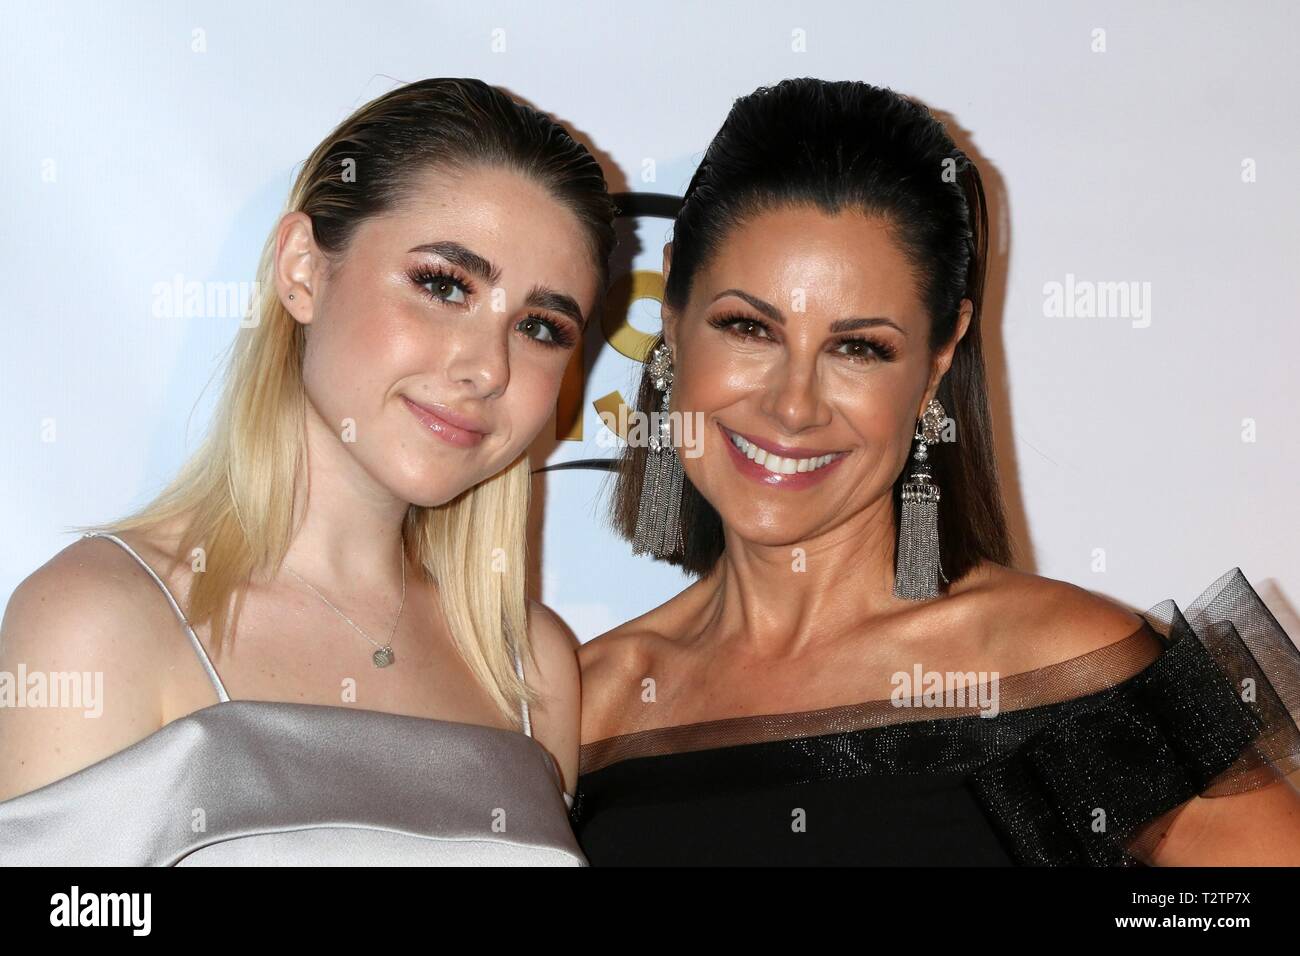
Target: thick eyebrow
(839,325)
(541,297)
(467,259)
(544,297)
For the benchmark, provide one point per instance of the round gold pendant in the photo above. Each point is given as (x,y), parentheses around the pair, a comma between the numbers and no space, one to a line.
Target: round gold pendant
(383,657)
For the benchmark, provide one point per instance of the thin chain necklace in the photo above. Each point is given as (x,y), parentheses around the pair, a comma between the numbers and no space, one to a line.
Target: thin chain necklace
(383,655)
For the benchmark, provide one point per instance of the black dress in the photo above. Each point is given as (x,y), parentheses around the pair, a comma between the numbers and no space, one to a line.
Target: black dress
(1083,762)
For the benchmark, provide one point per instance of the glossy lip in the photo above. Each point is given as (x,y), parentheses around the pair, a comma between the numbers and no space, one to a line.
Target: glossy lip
(450,427)
(773,480)
(785,451)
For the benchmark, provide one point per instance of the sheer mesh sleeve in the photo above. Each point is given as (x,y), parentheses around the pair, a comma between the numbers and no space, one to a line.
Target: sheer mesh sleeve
(1216,714)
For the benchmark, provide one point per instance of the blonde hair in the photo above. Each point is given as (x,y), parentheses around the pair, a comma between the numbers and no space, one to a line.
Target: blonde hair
(234,496)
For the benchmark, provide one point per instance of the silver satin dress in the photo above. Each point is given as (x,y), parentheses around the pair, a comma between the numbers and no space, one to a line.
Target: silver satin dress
(282,784)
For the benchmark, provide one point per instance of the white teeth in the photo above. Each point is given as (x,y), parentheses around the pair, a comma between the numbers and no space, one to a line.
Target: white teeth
(775,463)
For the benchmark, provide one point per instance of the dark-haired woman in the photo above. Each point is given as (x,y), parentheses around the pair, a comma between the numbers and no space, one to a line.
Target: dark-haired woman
(858,676)
(356,520)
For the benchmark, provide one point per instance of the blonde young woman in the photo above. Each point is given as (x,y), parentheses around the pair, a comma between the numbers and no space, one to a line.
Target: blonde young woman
(315,644)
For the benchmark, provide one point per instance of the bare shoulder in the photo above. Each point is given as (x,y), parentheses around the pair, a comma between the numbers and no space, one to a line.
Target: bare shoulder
(555,651)
(1041,621)
(81,627)
(635,643)
(556,714)
(608,662)
(613,650)
(615,664)
(84,607)
(624,650)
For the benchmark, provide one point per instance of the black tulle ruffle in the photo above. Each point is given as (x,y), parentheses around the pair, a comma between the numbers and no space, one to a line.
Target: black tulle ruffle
(1215,714)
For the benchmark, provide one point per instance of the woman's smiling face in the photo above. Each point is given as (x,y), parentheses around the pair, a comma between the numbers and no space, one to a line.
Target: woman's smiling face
(804,346)
(445,329)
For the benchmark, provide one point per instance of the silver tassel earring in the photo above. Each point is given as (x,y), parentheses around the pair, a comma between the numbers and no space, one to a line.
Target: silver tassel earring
(917,565)
(658,524)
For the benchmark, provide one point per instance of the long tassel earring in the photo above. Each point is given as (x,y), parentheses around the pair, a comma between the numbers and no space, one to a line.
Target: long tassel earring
(658,525)
(917,565)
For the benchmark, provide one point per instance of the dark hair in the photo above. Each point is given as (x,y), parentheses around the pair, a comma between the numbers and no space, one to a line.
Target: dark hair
(837,145)
(456,124)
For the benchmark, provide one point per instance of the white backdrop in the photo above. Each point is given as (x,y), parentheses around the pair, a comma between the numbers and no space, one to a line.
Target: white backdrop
(148,145)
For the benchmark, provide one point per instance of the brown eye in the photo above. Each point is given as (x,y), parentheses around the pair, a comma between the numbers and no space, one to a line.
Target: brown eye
(864,350)
(741,325)
(535,328)
(442,286)
(447,289)
(543,331)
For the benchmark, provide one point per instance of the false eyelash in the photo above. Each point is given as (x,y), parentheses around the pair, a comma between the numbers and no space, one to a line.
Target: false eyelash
(884,351)
(730,319)
(424,273)
(562,337)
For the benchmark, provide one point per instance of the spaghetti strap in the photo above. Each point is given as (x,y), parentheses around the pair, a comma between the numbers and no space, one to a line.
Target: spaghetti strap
(528,725)
(222,696)
(519,669)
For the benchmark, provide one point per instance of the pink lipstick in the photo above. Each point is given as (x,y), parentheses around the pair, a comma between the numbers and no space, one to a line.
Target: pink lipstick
(779,479)
(452,428)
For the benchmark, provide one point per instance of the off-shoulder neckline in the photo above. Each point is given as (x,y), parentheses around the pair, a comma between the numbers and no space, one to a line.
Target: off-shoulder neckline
(720,723)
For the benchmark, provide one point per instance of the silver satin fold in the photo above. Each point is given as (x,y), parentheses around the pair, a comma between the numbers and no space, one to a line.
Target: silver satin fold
(267,783)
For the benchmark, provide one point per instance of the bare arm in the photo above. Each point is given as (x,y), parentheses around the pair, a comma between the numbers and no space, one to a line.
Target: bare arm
(67,628)
(1256,828)
(555,717)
